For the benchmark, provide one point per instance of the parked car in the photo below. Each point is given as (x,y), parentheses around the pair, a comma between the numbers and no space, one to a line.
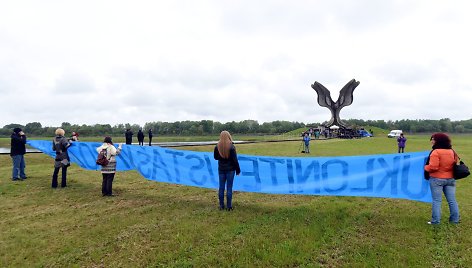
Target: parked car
(394,133)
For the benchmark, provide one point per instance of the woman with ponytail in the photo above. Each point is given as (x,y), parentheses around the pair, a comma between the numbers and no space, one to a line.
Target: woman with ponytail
(228,166)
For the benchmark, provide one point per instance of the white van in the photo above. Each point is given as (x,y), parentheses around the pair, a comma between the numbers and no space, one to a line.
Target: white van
(394,133)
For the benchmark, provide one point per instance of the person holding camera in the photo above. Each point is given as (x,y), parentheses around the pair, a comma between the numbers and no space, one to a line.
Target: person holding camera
(401,143)
(60,144)
(17,153)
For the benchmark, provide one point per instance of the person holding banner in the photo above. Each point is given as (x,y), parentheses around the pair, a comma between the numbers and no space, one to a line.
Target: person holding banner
(228,166)
(108,171)
(441,161)
(60,144)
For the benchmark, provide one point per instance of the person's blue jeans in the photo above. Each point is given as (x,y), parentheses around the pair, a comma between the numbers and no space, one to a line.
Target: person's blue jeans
(226,179)
(448,187)
(18,167)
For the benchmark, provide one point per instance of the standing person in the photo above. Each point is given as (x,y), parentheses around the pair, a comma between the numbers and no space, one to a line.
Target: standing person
(140,137)
(228,165)
(75,136)
(401,143)
(440,164)
(306,141)
(60,144)
(150,136)
(129,136)
(17,153)
(108,171)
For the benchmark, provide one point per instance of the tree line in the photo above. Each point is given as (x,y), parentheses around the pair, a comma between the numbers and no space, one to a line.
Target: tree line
(210,127)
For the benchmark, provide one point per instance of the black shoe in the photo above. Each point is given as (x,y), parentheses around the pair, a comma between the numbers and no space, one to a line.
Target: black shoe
(15,179)
(229,209)
(222,208)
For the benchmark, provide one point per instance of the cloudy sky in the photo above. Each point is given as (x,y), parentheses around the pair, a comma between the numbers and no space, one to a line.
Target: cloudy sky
(98,62)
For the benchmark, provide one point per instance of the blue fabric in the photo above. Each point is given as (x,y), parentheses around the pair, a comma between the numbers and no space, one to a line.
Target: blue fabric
(438,186)
(389,176)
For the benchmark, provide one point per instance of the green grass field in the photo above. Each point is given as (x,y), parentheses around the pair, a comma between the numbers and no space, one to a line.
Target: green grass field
(151,224)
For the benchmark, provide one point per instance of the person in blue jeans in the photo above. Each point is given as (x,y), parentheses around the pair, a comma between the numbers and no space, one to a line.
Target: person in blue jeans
(306,141)
(441,161)
(17,153)
(228,166)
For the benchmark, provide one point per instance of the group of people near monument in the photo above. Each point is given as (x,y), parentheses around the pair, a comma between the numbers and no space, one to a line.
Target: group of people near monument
(439,168)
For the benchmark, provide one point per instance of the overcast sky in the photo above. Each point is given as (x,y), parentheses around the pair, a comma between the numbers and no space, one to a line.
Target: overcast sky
(99,62)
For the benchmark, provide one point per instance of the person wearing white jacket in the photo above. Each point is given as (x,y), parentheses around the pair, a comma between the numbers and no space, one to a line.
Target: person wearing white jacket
(108,171)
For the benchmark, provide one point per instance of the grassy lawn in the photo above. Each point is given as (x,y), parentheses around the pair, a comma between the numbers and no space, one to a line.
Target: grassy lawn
(151,224)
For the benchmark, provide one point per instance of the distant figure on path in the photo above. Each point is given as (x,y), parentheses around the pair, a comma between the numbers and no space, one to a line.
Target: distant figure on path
(401,143)
(60,144)
(306,141)
(140,137)
(129,136)
(150,136)
(228,166)
(17,153)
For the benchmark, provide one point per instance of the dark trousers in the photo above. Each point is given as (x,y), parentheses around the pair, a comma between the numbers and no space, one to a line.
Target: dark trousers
(150,140)
(107,183)
(141,142)
(64,177)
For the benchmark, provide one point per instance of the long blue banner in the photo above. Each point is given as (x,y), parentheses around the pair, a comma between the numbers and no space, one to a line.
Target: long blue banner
(389,176)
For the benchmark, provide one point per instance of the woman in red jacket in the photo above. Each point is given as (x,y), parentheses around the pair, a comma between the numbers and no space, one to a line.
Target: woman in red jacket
(441,161)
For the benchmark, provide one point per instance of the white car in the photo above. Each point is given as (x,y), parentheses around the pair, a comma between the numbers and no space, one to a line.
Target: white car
(394,133)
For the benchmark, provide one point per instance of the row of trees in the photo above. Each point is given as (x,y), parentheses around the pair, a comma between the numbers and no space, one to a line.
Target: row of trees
(183,128)
(209,127)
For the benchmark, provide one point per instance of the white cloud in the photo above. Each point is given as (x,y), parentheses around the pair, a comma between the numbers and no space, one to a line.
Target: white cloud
(231,60)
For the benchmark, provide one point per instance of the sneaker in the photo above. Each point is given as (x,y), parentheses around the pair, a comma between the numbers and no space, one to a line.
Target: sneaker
(431,223)
(230,209)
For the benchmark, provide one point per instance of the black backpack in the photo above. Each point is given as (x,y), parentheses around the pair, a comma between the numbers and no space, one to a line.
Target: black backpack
(102,159)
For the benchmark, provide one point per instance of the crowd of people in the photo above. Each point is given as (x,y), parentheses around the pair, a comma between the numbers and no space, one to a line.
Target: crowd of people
(438,167)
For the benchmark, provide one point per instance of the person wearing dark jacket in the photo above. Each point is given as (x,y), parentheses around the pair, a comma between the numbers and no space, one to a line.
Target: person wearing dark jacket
(60,144)
(129,136)
(140,137)
(17,153)
(150,136)
(228,166)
